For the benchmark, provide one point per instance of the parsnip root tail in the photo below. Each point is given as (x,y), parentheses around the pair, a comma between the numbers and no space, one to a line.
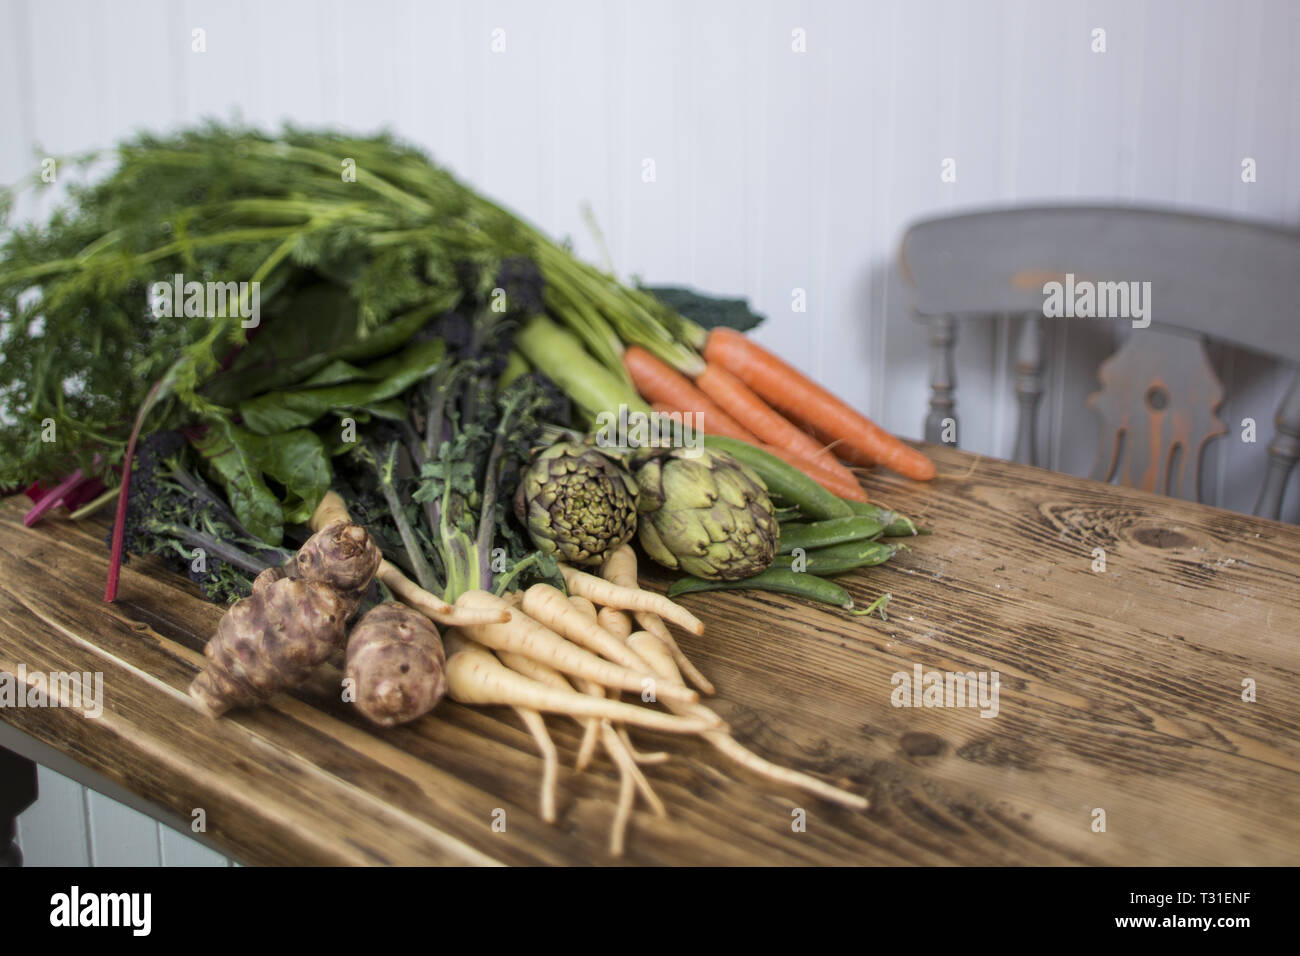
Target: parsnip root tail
(737,751)
(550,758)
(646,760)
(622,813)
(590,733)
(656,652)
(655,625)
(619,753)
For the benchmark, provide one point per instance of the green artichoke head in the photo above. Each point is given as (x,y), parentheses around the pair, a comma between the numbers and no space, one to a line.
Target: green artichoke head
(705,513)
(576,503)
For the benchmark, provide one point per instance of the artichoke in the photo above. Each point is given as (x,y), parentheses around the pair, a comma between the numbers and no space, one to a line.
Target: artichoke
(576,503)
(705,513)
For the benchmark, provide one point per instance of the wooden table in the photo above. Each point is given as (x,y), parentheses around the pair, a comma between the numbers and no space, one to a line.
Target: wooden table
(1120,690)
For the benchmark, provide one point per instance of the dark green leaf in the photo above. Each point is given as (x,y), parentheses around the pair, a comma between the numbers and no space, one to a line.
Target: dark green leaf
(297,461)
(281,411)
(228,450)
(706,310)
(320,326)
(336,373)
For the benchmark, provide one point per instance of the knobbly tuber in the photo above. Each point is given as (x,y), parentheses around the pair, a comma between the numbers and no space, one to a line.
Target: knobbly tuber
(341,555)
(268,642)
(267,577)
(397,664)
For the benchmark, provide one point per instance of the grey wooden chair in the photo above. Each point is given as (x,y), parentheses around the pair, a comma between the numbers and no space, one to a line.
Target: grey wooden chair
(1210,278)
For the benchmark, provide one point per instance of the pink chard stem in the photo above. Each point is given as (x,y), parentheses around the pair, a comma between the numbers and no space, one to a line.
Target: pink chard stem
(51,500)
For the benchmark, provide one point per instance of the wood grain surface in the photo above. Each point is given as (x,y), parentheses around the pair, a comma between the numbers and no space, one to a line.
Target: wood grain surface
(1120,690)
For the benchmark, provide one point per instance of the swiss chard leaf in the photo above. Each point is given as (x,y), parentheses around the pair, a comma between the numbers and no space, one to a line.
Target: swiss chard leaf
(319,327)
(296,460)
(226,448)
(296,343)
(336,373)
(282,411)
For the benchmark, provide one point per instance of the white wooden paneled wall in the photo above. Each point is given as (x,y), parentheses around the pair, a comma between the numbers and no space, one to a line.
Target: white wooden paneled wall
(775,170)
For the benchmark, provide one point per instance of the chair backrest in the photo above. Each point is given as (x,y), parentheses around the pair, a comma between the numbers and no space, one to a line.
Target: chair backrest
(1157,408)
(1179,278)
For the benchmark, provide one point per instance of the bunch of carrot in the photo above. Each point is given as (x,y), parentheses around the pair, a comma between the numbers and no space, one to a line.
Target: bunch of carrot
(747,393)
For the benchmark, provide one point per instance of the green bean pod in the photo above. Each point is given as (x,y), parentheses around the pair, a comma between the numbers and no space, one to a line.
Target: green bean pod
(840,558)
(780,581)
(896,525)
(784,481)
(823,534)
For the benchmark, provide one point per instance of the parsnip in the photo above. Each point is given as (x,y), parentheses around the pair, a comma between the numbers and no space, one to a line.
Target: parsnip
(551,607)
(523,635)
(474,676)
(620,568)
(602,592)
(614,621)
(550,758)
(434,607)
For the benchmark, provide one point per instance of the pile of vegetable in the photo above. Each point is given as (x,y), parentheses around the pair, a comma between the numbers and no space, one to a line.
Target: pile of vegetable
(403,441)
(539,651)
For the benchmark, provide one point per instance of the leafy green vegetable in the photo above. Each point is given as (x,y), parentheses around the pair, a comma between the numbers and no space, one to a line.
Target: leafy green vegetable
(243,460)
(337,372)
(707,311)
(224,203)
(439,499)
(317,337)
(351,270)
(173,513)
(284,410)
(224,447)
(296,461)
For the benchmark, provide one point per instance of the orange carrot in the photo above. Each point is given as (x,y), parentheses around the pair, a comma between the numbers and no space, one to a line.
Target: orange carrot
(832,481)
(660,383)
(840,449)
(795,394)
(760,418)
(710,423)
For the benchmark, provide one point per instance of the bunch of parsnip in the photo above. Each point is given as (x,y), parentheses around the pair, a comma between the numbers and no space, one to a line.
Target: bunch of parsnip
(576,655)
(539,651)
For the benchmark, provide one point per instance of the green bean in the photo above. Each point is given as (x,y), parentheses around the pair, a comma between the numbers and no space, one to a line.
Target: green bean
(784,481)
(778,580)
(896,525)
(840,558)
(822,534)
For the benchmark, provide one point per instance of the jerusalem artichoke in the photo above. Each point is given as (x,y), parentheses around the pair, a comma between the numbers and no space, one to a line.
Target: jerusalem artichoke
(268,642)
(341,555)
(396,663)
